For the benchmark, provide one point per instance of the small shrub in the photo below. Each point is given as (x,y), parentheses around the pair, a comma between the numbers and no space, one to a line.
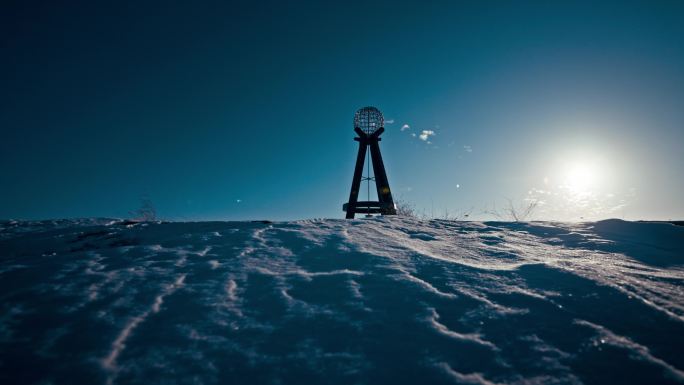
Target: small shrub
(405,209)
(146,212)
(511,212)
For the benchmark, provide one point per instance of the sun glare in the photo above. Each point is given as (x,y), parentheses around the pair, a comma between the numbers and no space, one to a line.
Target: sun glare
(580,177)
(579,186)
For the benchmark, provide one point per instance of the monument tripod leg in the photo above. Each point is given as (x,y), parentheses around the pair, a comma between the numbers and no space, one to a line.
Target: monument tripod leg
(381,182)
(356,182)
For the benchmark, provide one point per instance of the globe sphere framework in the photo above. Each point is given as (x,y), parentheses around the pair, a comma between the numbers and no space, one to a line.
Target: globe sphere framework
(368,119)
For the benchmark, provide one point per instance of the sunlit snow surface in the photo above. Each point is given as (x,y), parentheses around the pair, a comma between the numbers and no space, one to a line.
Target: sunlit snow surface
(378,301)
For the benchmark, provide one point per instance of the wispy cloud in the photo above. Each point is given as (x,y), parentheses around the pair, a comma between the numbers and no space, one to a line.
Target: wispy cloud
(468,148)
(425,134)
(389,121)
(405,127)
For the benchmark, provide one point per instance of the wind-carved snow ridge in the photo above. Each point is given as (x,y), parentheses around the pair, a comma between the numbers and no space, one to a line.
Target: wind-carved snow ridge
(636,350)
(119,343)
(424,284)
(460,378)
(475,338)
(380,300)
(233,302)
(481,297)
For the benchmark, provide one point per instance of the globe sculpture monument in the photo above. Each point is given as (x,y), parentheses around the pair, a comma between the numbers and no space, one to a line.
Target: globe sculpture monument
(369,125)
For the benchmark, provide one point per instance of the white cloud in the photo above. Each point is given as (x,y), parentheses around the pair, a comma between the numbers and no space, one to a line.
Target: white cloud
(425,134)
(413,134)
(405,127)
(389,121)
(468,148)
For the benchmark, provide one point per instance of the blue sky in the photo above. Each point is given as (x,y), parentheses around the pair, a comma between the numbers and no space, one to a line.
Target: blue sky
(243,110)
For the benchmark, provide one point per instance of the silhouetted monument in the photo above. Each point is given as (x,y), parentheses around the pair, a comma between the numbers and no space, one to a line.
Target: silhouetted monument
(368,125)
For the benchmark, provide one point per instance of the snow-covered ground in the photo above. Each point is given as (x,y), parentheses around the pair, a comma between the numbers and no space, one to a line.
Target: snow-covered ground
(377,301)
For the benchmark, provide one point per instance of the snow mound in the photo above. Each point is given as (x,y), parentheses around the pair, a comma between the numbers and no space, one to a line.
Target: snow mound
(376,301)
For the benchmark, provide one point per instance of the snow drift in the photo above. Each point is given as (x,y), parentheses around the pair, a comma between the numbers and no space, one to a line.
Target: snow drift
(379,301)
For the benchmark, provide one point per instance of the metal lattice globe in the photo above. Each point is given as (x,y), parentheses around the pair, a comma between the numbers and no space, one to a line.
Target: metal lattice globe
(368,119)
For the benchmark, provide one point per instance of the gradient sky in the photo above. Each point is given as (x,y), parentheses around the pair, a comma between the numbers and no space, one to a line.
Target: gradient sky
(243,110)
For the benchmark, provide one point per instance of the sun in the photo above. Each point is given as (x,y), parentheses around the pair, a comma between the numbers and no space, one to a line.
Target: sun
(581,176)
(579,186)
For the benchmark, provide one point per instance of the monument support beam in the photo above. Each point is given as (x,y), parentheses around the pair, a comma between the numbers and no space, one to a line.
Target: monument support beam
(356,182)
(381,182)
